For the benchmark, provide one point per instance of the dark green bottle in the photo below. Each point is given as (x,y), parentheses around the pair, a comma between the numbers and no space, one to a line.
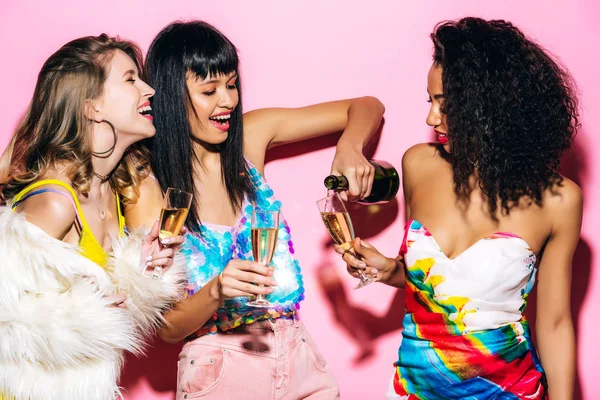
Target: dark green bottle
(385,184)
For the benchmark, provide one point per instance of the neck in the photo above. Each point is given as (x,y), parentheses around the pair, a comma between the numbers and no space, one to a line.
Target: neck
(99,186)
(105,164)
(206,154)
(60,172)
(103,167)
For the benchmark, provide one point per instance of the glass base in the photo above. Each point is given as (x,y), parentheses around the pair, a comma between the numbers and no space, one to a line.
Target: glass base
(364,282)
(260,303)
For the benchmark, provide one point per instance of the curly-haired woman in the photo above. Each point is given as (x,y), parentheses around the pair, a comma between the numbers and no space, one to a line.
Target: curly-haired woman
(483,205)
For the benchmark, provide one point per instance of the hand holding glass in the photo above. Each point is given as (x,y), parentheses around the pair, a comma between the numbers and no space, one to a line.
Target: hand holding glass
(338,224)
(172,217)
(265,227)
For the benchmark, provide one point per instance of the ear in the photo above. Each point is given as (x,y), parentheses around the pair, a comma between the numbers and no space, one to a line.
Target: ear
(93,110)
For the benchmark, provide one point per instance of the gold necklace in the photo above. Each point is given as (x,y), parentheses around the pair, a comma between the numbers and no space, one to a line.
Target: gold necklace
(101,213)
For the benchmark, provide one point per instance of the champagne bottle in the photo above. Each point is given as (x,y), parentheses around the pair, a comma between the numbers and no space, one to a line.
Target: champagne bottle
(385,184)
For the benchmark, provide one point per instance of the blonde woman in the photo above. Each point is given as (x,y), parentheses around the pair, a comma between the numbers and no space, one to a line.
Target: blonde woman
(74,292)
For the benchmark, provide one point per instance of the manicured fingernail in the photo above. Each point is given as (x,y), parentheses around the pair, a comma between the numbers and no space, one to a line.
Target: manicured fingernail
(362,265)
(270,290)
(149,263)
(273,283)
(149,258)
(166,241)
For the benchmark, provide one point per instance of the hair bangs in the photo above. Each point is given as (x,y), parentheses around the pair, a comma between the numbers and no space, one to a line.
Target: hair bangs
(210,54)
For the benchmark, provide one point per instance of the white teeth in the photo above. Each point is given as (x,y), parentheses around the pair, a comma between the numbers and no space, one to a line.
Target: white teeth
(144,108)
(222,117)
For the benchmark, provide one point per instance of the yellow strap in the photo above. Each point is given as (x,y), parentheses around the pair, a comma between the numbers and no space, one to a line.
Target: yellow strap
(64,185)
(44,182)
(120,216)
(88,243)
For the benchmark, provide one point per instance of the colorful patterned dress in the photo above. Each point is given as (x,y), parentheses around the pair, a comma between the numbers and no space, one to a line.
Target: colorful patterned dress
(209,253)
(465,336)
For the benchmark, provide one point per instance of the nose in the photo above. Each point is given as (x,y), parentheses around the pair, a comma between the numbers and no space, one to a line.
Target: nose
(434,118)
(147,90)
(226,100)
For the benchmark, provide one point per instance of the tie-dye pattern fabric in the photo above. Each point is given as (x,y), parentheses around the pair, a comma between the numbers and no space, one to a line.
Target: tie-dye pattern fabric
(465,336)
(209,253)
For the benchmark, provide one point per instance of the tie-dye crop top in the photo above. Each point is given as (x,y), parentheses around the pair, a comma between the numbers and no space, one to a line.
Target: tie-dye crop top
(465,335)
(209,252)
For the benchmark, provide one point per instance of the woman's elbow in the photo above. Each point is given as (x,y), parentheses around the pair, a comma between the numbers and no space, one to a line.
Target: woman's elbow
(375,103)
(554,323)
(169,335)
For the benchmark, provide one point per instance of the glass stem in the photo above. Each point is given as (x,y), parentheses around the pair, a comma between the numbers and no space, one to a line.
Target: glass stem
(361,272)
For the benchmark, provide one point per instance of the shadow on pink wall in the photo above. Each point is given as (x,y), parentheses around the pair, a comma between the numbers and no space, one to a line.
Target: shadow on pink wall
(158,368)
(361,325)
(574,166)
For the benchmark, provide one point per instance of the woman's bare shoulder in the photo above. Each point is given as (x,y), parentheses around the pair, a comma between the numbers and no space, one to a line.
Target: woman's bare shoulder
(53,212)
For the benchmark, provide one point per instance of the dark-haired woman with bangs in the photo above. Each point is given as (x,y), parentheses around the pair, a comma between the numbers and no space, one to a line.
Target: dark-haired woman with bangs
(487,210)
(207,146)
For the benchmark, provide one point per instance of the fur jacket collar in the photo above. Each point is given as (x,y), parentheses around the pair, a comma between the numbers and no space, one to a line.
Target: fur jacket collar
(59,337)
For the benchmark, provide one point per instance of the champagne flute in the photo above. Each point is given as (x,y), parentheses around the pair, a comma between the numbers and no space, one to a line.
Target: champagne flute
(339,225)
(265,226)
(172,217)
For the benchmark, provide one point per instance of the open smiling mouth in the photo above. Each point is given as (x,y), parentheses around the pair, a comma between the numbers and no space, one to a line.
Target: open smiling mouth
(221,119)
(221,122)
(442,137)
(145,111)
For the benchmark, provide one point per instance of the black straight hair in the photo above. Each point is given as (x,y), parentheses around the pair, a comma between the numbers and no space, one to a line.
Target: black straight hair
(198,48)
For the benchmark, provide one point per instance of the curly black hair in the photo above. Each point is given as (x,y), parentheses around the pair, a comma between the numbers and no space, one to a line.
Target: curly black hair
(511,110)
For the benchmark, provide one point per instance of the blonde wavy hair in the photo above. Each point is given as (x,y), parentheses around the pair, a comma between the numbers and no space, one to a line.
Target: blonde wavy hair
(55,129)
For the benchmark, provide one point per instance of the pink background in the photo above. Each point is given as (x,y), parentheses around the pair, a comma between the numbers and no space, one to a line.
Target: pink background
(303,52)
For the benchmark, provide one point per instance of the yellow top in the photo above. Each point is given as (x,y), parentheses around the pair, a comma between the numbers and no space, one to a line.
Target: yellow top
(88,244)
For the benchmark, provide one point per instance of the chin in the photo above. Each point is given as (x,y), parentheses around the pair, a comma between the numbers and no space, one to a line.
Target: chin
(136,136)
(219,138)
(147,134)
(151,133)
(212,140)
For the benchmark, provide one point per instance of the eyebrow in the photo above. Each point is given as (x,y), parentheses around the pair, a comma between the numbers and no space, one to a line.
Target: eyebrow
(436,96)
(130,71)
(218,80)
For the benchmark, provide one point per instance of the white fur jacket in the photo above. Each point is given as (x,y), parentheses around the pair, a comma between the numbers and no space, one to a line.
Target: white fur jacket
(59,337)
